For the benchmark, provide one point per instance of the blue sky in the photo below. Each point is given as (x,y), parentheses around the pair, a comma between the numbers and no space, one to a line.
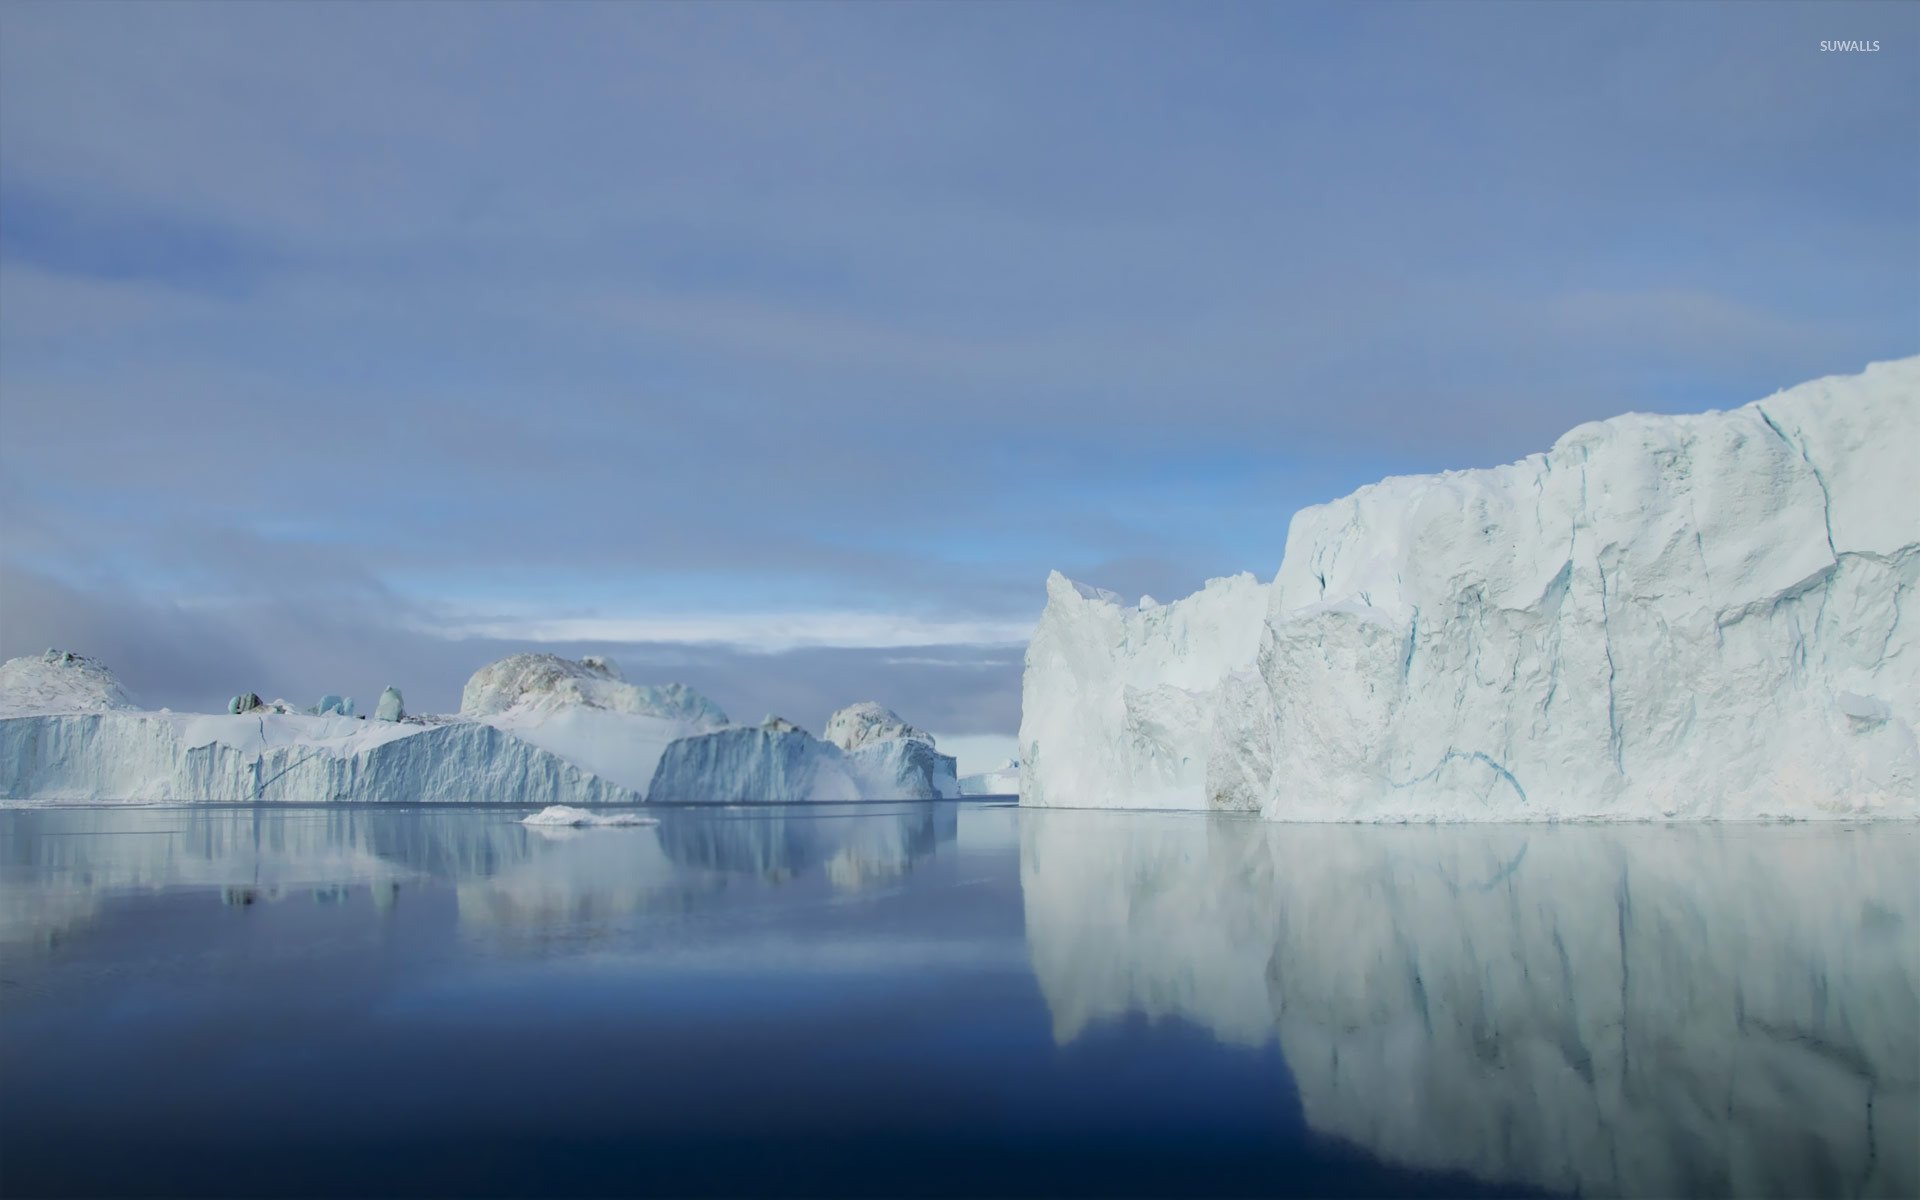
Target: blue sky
(347,344)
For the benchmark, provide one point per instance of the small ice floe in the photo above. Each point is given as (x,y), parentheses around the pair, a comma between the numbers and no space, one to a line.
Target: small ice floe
(582,818)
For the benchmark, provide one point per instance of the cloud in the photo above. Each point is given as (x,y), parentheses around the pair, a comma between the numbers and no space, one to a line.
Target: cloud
(839,326)
(760,632)
(195,657)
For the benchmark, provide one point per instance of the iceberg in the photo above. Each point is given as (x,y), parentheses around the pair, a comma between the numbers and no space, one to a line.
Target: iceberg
(260,757)
(1660,617)
(390,708)
(1003,780)
(866,723)
(69,733)
(566,816)
(1117,702)
(890,759)
(59,681)
(903,769)
(869,754)
(774,762)
(549,682)
(587,714)
(534,728)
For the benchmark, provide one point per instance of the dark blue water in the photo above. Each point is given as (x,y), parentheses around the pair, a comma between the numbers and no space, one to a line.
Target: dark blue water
(949,999)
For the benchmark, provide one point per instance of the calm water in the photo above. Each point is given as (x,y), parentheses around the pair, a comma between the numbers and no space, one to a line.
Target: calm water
(955,998)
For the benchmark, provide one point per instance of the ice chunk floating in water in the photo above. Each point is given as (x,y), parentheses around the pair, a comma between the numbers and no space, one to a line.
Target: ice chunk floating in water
(580,818)
(1660,617)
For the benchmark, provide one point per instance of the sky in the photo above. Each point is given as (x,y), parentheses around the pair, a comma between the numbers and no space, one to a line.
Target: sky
(783,349)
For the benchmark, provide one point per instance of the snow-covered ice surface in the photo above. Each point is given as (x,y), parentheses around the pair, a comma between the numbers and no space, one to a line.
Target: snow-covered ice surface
(865,723)
(58,681)
(1628,1010)
(587,714)
(1661,617)
(548,681)
(580,818)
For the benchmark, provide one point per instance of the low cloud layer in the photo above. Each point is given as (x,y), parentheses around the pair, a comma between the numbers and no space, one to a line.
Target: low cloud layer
(196,658)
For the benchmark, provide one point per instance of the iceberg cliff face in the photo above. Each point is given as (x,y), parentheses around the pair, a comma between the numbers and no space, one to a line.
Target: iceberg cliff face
(1117,702)
(1660,617)
(903,769)
(871,754)
(254,757)
(752,764)
(84,742)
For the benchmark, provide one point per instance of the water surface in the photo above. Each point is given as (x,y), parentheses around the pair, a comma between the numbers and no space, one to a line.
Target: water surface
(950,998)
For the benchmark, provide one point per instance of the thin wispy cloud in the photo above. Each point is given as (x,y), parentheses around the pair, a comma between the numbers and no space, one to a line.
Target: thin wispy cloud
(765,633)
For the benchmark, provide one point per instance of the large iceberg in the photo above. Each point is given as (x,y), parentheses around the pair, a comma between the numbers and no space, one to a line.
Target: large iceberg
(1660,617)
(774,762)
(533,728)
(142,756)
(890,759)
(70,733)
(869,754)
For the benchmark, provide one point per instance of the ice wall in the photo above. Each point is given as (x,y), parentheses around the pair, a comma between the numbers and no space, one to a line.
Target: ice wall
(1117,703)
(750,764)
(274,757)
(1661,617)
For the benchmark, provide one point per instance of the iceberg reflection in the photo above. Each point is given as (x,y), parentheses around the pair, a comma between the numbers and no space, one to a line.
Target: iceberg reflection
(58,865)
(1612,1010)
(855,845)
